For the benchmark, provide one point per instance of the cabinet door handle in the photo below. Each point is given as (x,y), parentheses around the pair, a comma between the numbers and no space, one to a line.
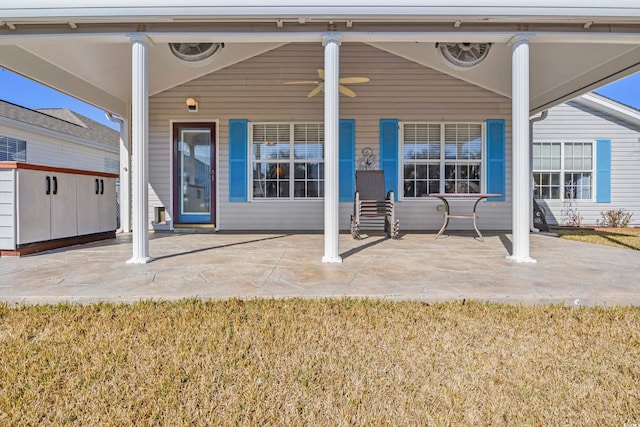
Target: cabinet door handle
(55,185)
(97,186)
(102,186)
(48,191)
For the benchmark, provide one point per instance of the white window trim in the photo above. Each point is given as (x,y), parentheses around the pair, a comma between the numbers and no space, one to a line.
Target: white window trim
(291,160)
(17,141)
(594,167)
(401,161)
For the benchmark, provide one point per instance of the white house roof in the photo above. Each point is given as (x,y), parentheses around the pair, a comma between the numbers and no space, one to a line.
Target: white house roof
(609,106)
(83,48)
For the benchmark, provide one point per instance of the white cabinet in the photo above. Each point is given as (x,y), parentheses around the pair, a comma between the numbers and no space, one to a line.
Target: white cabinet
(47,207)
(96,204)
(64,211)
(44,205)
(33,207)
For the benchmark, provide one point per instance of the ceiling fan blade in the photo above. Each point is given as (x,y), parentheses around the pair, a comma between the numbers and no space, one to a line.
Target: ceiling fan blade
(346,91)
(320,73)
(315,91)
(303,82)
(351,80)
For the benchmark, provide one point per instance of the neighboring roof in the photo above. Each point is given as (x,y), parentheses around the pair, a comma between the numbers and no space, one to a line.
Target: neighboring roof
(63,121)
(609,106)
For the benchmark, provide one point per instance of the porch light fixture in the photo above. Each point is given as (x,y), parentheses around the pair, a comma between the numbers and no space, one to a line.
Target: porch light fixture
(192,105)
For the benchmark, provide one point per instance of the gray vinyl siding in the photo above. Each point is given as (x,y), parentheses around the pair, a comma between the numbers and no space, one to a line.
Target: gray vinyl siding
(254,90)
(572,122)
(7,209)
(58,152)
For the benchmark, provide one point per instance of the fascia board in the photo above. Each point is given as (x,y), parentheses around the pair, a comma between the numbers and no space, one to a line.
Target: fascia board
(416,9)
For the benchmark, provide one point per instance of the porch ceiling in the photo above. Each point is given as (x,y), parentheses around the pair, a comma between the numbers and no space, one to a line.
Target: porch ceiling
(93,63)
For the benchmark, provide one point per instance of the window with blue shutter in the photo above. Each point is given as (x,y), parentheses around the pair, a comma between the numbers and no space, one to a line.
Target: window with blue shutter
(238,158)
(496,166)
(389,154)
(603,171)
(347,154)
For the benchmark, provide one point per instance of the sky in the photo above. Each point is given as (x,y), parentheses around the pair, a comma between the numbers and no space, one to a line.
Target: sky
(27,93)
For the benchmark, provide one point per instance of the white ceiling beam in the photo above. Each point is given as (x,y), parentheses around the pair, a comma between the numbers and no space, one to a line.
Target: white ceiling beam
(347,37)
(22,62)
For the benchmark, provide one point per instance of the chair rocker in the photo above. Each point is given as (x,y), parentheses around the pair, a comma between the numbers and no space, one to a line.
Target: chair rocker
(371,205)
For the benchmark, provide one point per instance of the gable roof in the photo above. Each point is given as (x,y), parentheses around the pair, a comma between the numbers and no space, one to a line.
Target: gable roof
(609,106)
(63,121)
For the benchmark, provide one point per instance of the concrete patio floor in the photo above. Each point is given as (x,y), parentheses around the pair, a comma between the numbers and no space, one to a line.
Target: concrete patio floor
(229,265)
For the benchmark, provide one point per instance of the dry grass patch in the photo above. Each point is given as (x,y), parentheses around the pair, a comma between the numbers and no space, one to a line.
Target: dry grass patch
(320,362)
(628,238)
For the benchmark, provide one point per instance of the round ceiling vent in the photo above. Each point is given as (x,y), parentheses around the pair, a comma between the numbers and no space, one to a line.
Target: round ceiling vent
(194,52)
(464,55)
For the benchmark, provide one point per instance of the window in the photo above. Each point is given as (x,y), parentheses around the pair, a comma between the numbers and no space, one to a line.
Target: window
(111,165)
(441,158)
(287,160)
(563,171)
(12,150)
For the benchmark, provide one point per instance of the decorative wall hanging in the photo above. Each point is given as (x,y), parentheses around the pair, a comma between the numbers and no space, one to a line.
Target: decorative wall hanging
(368,160)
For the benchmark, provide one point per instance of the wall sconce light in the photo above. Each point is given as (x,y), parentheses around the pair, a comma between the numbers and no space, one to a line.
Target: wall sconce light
(192,105)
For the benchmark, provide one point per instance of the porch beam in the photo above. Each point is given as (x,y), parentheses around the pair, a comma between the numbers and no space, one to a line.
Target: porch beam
(331,134)
(140,145)
(312,33)
(521,169)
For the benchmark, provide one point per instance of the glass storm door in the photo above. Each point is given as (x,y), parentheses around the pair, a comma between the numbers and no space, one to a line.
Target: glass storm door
(194,166)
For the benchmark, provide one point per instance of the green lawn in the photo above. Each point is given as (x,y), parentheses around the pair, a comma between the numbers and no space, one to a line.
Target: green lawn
(318,363)
(619,237)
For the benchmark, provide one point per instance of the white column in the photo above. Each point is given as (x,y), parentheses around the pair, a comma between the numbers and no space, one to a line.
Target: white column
(331,157)
(140,148)
(521,169)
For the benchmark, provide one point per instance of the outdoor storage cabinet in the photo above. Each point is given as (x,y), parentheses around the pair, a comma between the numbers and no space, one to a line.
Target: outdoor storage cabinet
(44,207)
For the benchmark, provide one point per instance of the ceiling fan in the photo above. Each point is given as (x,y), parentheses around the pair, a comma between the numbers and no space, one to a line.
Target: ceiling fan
(320,84)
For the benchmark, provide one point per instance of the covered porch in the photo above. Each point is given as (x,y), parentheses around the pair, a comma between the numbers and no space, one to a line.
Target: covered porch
(274,265)
(540,56)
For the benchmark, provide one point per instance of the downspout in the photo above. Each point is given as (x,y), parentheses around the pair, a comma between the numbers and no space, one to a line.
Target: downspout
(125,174)
(540,118)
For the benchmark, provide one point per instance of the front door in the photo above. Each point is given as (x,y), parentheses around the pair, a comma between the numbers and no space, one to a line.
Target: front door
(194,173)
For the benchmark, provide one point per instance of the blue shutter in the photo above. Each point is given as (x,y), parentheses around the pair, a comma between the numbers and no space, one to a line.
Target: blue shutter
(347,154)
(238,158)
(389,153)
(603,171)
(496,169)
